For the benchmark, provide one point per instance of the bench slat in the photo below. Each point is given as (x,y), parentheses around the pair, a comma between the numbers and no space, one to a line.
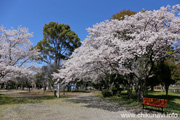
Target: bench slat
(154,102)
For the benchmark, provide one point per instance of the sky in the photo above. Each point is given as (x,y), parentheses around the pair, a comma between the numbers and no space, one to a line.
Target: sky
(79,14)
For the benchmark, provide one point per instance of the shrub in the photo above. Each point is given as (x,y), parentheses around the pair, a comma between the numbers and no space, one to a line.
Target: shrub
(119,91)
(114,90)
(106,93)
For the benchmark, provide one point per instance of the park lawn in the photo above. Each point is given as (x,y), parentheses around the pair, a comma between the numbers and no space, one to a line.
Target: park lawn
(22,105)
(25,97)
(11,97)
(7,100)
(173,104)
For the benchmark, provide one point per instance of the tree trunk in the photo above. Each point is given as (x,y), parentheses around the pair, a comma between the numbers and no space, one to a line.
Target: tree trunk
(69,87)
(77,88)
(55,93)
(162,88)
(22,87)
(111,87)
(140,95)
(130,86)
(141,89)
(82,88)
(29,89)
(136,89)
(64,88)
(34,86)
(152,88)
(58,90)
(100,87)
(16,87)
(129,91)
(167,88)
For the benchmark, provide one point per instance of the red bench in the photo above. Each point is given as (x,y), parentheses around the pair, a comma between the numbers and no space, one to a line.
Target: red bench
(154,102)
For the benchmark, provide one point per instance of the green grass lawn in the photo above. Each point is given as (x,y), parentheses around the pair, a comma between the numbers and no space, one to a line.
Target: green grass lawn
(19,97)
(6,100)
(24,97)
(173,104)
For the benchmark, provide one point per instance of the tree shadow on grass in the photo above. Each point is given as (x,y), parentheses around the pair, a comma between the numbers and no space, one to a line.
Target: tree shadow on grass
(172,106)
(122,103)
(95,102)
(107,104)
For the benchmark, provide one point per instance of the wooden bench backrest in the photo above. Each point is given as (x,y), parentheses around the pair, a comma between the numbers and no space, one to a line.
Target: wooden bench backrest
(154,101)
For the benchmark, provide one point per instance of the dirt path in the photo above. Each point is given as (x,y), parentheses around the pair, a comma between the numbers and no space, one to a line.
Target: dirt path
(85,106)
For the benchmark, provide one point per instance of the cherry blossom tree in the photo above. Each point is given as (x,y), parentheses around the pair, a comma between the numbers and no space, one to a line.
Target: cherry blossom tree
(17,56)
(130,46)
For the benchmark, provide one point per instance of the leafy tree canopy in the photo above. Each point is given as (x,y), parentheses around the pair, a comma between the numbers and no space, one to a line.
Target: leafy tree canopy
(122,14)
(58,44)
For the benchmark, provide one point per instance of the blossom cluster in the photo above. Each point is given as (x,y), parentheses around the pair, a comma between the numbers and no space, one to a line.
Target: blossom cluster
(117,46)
